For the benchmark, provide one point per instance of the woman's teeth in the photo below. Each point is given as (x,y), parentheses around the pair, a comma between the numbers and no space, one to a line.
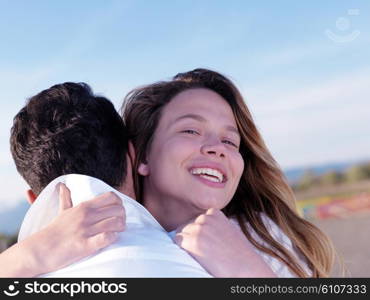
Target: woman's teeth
(209,178)
(208,173)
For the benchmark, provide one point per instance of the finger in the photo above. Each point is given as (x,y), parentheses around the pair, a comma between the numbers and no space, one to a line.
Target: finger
(108,212)
(114,224)
(211,211)
(65,200)
(179,239)
(192,229)
(105,199)
(201,219)
(184,228)
(186,242)
(181,228)
(101,240)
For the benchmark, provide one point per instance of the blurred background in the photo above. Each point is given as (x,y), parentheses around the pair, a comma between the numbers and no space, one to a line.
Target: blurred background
(303,67)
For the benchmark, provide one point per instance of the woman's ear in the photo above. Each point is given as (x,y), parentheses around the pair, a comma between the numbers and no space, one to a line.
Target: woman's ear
(143,169)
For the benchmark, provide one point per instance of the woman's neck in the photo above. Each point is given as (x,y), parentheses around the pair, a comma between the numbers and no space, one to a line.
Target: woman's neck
(170,214)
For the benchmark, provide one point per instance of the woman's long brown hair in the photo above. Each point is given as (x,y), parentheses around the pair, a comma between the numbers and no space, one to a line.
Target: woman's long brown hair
(262,187)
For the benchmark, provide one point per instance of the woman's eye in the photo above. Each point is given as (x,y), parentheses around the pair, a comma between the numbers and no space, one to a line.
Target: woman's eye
(190,131)
(230,143)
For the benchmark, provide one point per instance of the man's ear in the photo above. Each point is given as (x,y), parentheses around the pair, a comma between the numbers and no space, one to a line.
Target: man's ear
(31,197)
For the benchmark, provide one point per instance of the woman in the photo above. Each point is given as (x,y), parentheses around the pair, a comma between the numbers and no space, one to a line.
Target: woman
(262,197)
(222,157)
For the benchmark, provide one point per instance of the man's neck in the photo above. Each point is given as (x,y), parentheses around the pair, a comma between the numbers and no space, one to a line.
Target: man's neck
(127,190)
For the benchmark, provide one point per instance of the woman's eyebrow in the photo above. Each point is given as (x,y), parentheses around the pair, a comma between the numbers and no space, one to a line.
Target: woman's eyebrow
(190,116)
(199,118)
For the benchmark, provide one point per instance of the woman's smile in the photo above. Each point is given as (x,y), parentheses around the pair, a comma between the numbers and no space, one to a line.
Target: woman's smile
(209,173)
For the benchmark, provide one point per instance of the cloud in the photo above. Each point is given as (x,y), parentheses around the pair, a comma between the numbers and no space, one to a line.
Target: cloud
(320,49)
(332,92)
(316,123)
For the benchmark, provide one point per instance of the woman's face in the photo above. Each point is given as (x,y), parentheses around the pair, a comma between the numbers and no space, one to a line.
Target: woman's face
(194,161)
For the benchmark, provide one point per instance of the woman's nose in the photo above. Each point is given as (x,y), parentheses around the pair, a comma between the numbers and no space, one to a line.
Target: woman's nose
(213,146)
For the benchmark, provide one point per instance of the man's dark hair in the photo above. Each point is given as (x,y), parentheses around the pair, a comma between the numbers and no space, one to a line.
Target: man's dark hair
(67,129)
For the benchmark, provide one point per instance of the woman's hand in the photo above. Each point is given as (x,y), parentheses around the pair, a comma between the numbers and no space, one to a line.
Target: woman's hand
(75,233)
(220,247)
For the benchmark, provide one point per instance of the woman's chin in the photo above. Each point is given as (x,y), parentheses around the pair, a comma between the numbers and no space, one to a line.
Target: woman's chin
(208,203)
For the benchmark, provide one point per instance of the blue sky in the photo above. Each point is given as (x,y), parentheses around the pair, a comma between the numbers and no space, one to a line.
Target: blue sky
(303,67)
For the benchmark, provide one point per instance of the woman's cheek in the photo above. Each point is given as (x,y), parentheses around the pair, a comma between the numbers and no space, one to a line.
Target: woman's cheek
(238,164)
(184,145)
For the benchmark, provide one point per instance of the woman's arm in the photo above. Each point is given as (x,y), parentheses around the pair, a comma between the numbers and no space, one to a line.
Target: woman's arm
(75,233)
(221,248)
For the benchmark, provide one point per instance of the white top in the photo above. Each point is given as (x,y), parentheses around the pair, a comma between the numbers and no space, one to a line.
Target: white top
(279,268)
(144,249)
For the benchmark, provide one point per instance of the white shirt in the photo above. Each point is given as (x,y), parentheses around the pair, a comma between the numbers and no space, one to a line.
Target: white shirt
(144,249)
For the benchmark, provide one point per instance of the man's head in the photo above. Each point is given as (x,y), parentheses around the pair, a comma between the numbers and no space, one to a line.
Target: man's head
(67,129)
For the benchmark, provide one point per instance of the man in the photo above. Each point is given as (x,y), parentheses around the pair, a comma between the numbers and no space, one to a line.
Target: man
(65,134)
